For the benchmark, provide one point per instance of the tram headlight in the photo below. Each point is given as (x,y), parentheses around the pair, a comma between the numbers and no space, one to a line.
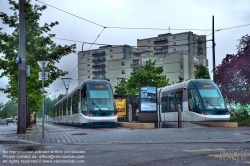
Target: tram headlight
(205,113)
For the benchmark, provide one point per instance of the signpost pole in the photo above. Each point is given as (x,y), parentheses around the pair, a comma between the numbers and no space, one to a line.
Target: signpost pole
(43,76)
(43,100)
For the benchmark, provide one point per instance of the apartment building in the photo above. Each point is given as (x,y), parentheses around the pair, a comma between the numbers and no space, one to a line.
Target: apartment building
(179,54)
(93,64)
(185,42)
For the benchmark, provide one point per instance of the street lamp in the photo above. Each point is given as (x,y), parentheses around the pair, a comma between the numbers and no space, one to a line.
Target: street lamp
(66,82)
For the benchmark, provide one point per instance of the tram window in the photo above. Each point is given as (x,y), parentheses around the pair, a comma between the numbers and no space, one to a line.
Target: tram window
(171,99)
(69,105)
(193,100)
(64,107)
(164,102)
(84,102)
(55,110)
(75,103)
(59,110)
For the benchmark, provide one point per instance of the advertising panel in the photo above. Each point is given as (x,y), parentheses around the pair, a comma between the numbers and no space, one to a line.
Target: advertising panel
(121,107)
(148,98)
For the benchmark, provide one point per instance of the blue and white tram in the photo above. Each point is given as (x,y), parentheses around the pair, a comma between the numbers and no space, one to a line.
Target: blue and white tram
(91,104)
(199,99)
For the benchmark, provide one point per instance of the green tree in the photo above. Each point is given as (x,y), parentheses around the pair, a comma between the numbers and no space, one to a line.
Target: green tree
(181,79)
(11,108)
(202,72)
(121,88)
(49,106)
(39,46)
(5,114)
(148,75)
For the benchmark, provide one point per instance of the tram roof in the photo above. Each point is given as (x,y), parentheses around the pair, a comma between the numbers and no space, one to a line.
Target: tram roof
(80,86)
(182,84)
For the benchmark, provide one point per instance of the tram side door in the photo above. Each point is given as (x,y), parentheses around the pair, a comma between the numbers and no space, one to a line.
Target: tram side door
(163,107)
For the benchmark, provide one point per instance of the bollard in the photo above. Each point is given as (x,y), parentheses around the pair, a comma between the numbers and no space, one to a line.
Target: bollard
(179,116)
(130,115)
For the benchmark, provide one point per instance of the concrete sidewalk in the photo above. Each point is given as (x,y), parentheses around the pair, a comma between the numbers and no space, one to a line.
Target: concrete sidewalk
(60,134)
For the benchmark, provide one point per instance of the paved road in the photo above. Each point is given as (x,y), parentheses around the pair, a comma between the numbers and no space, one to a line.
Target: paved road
(202,154)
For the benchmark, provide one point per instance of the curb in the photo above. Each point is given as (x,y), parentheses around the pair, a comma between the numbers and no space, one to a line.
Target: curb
(17,142)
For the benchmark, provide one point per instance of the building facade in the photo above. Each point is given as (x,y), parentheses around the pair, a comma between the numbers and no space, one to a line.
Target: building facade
(179,54)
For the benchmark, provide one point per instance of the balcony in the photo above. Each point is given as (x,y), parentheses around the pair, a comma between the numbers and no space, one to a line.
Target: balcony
(197,62)
(132,72)
(200,40)
(200,52)
(163,52)
(99,66)
(161,48)
(199,47)
(99,60)
(161,40)
(135,65)
(99,72)
(98,53)
(101,77)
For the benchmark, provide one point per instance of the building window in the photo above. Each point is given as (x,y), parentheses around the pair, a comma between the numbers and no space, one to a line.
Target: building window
(88,76)
(88,71)
(174,49)
(88,65)
(148,47)
(88,59)
(111,56)
(148,41)
(122,63)
(123,71)
(174,43)
(174,37)
(111,50)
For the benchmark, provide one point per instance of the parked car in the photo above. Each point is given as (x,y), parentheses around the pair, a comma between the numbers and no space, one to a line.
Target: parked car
(9,120)
(3,122)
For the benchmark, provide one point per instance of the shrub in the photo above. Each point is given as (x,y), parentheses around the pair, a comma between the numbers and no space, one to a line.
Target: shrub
(241,116)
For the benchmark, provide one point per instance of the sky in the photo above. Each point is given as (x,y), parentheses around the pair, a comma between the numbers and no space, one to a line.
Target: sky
(93,15)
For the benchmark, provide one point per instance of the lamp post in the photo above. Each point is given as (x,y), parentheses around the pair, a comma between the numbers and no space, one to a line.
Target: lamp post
(66,82)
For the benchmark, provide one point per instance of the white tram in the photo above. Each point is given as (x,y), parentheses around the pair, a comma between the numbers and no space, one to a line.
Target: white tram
(89,104)
(199,100)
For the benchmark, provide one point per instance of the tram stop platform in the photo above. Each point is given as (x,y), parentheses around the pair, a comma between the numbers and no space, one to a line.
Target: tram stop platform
(136,125)
(218,124)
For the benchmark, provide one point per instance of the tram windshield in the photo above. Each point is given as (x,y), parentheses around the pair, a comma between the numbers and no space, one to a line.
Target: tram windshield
(211,96)
(100,98)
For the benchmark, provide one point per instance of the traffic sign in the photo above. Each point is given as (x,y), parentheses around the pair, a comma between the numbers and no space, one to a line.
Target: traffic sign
(44,75)
(43,64)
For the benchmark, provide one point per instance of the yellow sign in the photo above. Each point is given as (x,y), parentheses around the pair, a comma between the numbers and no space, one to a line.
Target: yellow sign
(121,107)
